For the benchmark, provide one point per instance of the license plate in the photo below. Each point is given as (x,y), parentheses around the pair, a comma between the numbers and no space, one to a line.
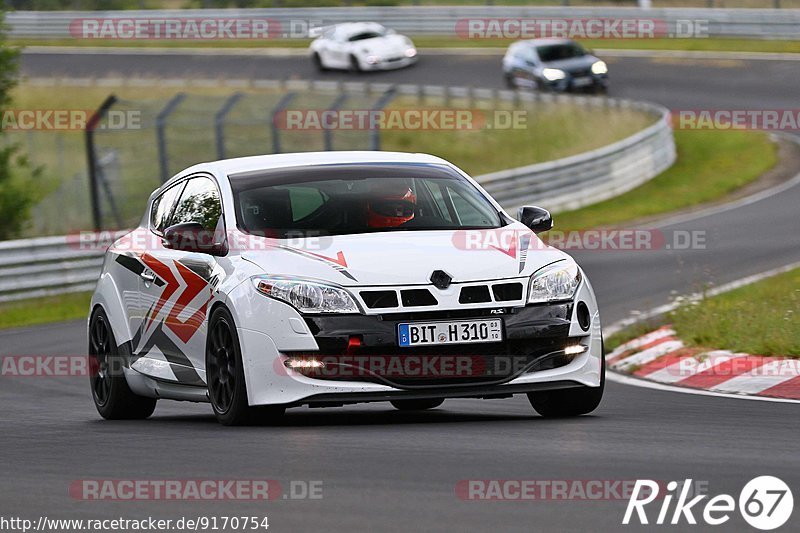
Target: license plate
(459,332)
(582,82)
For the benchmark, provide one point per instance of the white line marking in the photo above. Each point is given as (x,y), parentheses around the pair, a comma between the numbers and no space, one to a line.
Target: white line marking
(638,382)
(666,308)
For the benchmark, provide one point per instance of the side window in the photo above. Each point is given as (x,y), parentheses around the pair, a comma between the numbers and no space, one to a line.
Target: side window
(305,200)
(470,212)
(199,203)
(438,198)
(162,208)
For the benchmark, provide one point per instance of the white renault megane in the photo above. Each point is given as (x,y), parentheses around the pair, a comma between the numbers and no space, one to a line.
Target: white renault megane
(325,279)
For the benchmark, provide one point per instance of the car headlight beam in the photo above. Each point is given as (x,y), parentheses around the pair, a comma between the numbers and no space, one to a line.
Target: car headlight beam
(554,74)
(556,282)
(599,67)
(307,296)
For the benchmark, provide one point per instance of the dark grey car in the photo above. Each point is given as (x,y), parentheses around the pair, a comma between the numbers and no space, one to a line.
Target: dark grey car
(554,64)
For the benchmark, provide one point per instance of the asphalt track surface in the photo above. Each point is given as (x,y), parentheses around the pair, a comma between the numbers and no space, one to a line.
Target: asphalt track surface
(390,471)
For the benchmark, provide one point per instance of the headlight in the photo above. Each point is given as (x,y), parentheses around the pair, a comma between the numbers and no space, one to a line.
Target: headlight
(411,52)
(307,296)
(372,59)
(600,67)
(558,281)
(554,74)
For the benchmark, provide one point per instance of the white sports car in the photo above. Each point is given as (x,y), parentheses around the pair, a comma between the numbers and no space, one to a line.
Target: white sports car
(325,279)
(360,46)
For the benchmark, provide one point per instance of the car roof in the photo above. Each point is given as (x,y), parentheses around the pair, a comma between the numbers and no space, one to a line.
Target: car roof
(545,42)
(350,28)
(239,165)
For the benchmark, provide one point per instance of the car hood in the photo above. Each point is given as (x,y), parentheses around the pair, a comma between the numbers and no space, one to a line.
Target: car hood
(573,64)
(383,46)
(406,257)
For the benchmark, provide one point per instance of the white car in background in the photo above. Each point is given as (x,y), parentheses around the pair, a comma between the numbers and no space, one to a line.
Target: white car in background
(361,46)
(332,278)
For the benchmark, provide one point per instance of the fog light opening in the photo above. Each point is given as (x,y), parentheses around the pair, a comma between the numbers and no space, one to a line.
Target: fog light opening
(582,315)
(303,364)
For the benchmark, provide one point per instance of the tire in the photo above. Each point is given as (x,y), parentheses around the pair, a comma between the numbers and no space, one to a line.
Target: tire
(227,389)
(510,82)
(417,405)
(318,62)
(355,66)
(112,396)
(563,403)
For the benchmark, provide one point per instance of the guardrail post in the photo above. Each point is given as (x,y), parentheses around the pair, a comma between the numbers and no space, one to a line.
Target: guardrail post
(161,123)
(383,101)
(91,159)
(219,123)
(328,131)
(276,134)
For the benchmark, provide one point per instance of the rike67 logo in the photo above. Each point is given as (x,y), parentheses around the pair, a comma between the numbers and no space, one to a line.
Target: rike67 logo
(765,503)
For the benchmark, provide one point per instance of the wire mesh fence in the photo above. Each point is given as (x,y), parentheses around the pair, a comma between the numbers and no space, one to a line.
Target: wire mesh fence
(163,137)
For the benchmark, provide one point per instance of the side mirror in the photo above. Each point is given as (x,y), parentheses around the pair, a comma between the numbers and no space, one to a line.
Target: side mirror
(391,31)
(192,237)
(536,218)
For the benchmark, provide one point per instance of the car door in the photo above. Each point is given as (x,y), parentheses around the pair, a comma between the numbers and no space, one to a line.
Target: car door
(178,288)
(339,50)
(127,268)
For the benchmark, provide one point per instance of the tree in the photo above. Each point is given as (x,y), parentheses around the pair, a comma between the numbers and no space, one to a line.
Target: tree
(17,190)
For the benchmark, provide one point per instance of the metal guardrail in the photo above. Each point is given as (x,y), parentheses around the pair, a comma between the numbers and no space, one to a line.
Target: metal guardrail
(434,20)
(53,265)
(591,177)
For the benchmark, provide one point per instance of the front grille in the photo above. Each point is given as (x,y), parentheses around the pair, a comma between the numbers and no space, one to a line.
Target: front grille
(474,295)
(582,72)
(505,292)
(417,298)
(379,299)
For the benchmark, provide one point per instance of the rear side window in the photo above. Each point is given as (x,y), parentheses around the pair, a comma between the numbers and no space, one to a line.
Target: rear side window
(199,203)
(162,208)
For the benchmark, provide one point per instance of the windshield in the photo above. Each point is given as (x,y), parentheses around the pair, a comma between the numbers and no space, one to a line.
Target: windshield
(364,35)
(557,52)
(348,199)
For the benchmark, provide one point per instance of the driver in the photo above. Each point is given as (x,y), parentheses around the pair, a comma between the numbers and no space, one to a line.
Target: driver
(391,206)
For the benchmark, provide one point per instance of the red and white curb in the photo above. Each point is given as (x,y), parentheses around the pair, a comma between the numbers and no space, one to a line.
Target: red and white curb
(661,357)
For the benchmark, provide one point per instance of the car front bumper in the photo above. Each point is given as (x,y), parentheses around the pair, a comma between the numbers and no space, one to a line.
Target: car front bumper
(530,358)
(389,63)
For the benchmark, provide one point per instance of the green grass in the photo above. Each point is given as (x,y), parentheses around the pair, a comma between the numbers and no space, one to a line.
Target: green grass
(44,310)
(549,132)
(712,44)
(710,165)
(760,319)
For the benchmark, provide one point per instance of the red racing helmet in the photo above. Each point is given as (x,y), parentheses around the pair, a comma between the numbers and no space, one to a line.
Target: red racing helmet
(391,207)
